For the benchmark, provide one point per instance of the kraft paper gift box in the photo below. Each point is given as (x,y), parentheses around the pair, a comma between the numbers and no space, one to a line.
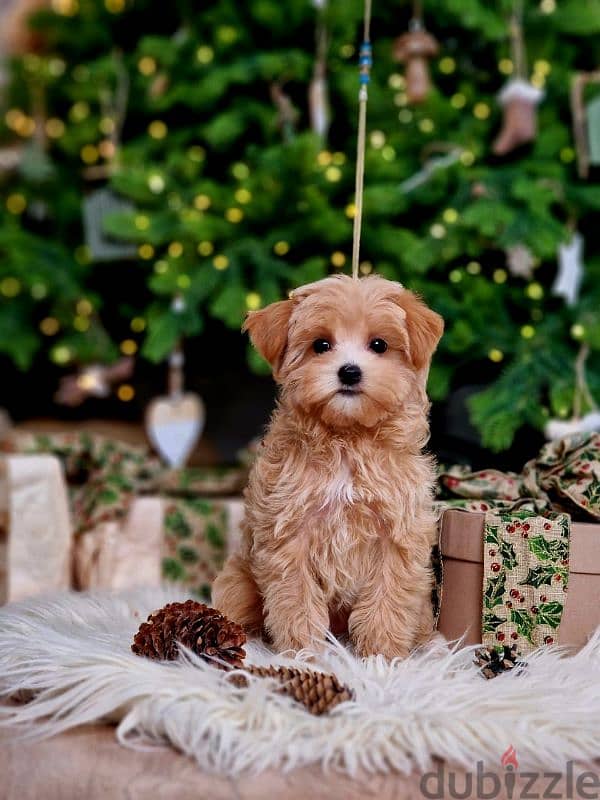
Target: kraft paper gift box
(35,538)
(462,542)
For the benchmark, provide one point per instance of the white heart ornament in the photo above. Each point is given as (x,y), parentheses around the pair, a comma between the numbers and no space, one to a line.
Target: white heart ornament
(174,425)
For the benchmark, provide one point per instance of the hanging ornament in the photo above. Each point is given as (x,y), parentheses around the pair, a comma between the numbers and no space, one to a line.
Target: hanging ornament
(586,122)
(519,98)
(570,269)
(582,398)
(520,261)
(95,380)
(159,85)
(287,113)
(96,207)
(414,49)
(318,90)
(175,423)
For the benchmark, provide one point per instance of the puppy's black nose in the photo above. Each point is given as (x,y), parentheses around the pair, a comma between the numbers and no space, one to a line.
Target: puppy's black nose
(350,374)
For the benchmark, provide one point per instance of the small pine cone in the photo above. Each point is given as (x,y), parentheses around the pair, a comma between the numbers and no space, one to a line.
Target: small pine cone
(493,663)
(318,692)
(202,629)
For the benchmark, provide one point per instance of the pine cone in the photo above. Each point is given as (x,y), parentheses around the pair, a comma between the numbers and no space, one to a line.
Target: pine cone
(202,629)
(318,692)
(493,662)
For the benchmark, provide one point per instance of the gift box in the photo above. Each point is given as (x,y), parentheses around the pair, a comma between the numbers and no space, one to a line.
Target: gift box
(88,512)
(463,594)
(35,527)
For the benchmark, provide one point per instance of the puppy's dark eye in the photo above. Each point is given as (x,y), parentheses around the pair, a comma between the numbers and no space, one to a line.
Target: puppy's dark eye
(378,345)
(321,345)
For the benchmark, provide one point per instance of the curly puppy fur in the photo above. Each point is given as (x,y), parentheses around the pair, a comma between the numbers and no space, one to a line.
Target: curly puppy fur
(338,518)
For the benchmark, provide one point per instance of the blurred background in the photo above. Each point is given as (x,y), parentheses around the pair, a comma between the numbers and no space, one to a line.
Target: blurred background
(165,167)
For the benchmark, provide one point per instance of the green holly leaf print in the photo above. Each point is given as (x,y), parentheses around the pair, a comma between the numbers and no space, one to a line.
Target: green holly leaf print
(524,622)
(491,535)
(215,536)
(172,570)
(549,549)
(188,555)
(549,614)
(176,523)
(494,591)
(544,575)
(509,558)
(490,622)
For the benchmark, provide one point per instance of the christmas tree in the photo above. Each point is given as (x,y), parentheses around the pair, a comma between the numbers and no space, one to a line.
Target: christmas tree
(208,154)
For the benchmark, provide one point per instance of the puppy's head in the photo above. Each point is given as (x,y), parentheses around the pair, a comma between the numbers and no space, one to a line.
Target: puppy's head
(348,351)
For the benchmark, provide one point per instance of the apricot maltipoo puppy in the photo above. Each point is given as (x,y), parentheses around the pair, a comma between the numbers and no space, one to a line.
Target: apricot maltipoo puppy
(338,516)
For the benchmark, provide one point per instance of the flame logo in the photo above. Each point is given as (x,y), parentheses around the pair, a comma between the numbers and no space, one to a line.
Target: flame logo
(509,758)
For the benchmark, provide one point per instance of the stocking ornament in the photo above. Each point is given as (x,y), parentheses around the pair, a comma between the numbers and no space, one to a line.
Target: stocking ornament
(519,100)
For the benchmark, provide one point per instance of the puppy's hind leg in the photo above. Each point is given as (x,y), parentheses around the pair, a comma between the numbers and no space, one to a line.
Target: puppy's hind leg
(236,595)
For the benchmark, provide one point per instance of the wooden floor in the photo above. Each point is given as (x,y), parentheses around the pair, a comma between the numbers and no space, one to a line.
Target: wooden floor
(88,764)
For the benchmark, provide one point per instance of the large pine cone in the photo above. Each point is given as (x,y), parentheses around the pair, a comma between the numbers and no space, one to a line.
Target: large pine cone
(202,629)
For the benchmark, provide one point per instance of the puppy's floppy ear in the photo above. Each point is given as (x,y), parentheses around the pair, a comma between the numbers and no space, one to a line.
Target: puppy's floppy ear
(423,325)
(268,329)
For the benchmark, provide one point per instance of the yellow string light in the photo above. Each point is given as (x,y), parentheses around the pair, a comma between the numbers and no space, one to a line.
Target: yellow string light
(147,65)
(157,129)
(220,262)
(49,326)
(426,125)
(10,287)
(128,347)
(84,307)
(333,174)
(202,202)
(234,215)
(243,196)
(495,355)
(205,54)
(81,324)
(55,128)
(205,248)
(16,203)
(447,65)
(89,154)
(125,392)
(338,259)
(253,301)
(281,248)
(146,251)
(175,249)
(61,354)
(138,324)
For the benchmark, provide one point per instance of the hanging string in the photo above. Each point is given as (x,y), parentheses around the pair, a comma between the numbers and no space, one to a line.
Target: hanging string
(365,61)
(517,43)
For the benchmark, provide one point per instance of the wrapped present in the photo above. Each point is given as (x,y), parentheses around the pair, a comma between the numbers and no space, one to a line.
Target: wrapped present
(35,535)
(135,523)
(521,552)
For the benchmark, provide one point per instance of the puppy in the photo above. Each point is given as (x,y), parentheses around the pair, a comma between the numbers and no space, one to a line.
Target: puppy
(338,512)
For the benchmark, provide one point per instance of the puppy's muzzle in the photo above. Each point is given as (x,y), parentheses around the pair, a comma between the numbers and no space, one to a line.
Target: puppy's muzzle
(350,374)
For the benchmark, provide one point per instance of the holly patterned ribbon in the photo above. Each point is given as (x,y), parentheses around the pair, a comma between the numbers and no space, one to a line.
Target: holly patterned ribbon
(527,535)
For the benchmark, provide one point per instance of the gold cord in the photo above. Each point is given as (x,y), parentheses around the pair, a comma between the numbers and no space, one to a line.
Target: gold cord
(363,96)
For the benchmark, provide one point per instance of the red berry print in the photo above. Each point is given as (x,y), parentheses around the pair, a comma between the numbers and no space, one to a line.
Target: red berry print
(525,535)
(547,526)
(558,578)
(514,635)
(492,553)
(495,567)
(514,592)
(534,609)
(510,528)
(500,636)
(548,640)
(526,526)
(508,604)
(543,598)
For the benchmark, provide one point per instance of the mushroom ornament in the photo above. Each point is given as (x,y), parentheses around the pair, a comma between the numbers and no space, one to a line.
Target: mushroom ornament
(414,48)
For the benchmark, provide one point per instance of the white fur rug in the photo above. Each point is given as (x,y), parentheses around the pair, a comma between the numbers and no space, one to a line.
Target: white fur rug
(73,651)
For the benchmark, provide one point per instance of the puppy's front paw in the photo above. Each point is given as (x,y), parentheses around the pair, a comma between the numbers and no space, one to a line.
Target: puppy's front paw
(372,644)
